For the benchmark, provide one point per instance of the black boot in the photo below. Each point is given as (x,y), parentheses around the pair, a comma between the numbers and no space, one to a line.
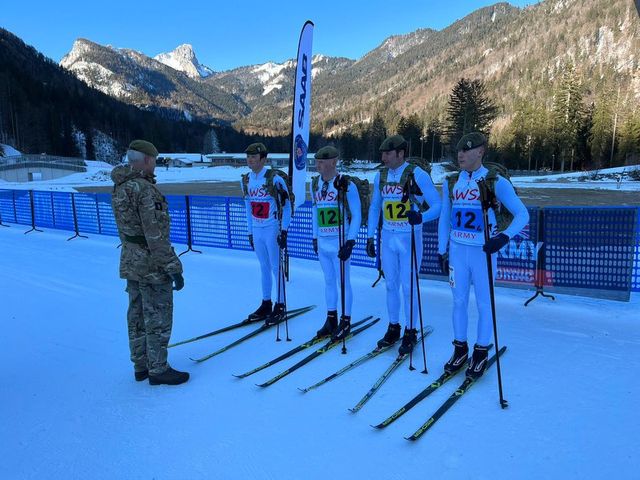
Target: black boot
(263,311)
(478,362)
(409,340)
(391,337)
(141,375)
(277,315)
(330,324)
(169,377)
(344,328)
(459,357)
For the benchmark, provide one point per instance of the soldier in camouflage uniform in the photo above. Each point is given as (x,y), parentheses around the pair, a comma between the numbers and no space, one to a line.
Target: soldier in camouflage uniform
(148,263)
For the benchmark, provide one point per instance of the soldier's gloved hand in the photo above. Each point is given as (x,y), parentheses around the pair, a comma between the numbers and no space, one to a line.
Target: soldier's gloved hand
(415,218)
(315,245)
(496,243)
(371,248)
(346,249)
(282,239)
(443,260)
(178,281)
(251,242)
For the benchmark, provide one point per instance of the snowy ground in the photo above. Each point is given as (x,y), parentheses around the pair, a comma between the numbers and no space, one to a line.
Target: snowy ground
(71,409)
(98,174)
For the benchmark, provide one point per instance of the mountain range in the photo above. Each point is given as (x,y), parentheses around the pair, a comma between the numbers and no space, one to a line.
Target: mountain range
(518,52)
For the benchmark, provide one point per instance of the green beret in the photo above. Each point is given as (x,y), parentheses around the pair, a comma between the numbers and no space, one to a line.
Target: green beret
(394,142)
(256,148)
(471,140)
(327,153)
(145,147)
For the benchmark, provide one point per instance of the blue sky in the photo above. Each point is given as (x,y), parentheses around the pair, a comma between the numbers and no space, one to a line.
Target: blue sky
(227,34)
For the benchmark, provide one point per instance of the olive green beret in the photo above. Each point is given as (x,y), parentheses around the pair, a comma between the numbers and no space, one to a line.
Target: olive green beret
(327,153)
(145,147)
(394,142)
(471,140)
(256,148)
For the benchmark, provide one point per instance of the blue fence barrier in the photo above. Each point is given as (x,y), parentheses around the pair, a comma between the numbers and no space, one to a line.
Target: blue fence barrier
(585,250)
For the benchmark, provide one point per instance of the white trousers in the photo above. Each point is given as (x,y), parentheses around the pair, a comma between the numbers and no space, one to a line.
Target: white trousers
(328,255)
(265,242)
(396,264)
(468,265)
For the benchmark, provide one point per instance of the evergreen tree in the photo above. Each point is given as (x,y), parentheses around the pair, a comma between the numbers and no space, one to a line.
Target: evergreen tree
(374,136)
(469,110)
(411,129)
(567,115)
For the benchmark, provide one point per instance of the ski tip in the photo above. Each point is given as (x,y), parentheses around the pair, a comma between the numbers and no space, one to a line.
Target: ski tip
(353,410)
(377,427)
(261,385)
(411,438)
(303,390)
(238,376)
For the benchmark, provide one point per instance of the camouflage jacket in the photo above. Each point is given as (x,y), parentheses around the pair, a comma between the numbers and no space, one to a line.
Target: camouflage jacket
(142,216)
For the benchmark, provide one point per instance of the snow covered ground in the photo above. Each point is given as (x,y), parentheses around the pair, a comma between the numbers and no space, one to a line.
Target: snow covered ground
(98,174)
(71,408)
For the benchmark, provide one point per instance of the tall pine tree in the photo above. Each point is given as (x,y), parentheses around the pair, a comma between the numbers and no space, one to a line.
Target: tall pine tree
(469,110)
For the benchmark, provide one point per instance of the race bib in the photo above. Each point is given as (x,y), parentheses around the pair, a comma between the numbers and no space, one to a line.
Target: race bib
(327,217)
(467,219)
(396,211)
(260,210)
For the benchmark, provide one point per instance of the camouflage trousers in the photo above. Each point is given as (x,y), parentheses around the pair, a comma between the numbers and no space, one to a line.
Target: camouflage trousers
(149,319)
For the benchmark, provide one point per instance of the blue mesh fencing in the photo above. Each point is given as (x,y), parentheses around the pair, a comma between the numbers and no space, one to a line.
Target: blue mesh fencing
(590,248)
(7,209)
(106,219)
(22,204)
(62,203)
(579,248)
(635,275)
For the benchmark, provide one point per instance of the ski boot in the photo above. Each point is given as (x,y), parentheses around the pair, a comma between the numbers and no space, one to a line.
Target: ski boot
(344,328)
(330,324)
(478,362)
(263,311)
(169,377)
(277,315)
(391,337)
(141,375)
(459,357)
(409,340)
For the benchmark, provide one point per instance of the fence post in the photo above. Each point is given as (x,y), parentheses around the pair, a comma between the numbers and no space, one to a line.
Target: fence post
(98,215)
(15,210)
(227,207)
(53,211)
(189,239)
(33,215)
(75,219)
(540,258)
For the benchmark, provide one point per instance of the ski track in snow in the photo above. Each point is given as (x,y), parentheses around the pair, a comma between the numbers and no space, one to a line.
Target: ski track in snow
(71,408)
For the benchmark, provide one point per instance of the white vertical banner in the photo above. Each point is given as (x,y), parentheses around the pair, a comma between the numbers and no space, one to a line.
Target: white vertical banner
(301,115)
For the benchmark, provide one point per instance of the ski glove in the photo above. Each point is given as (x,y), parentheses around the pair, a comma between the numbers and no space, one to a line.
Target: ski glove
(282,239)
(341,183)
(415,218)
(251,242)
(371,248)
(345,250)
(496,243)
(443,260)
(178,281)
(315,245)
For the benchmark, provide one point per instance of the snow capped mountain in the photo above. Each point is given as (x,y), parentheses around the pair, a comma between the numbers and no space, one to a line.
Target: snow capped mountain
(184,60)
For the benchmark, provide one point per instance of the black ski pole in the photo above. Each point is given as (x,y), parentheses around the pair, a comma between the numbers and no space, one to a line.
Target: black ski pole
(417,270)
(485,201)
(341,243)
